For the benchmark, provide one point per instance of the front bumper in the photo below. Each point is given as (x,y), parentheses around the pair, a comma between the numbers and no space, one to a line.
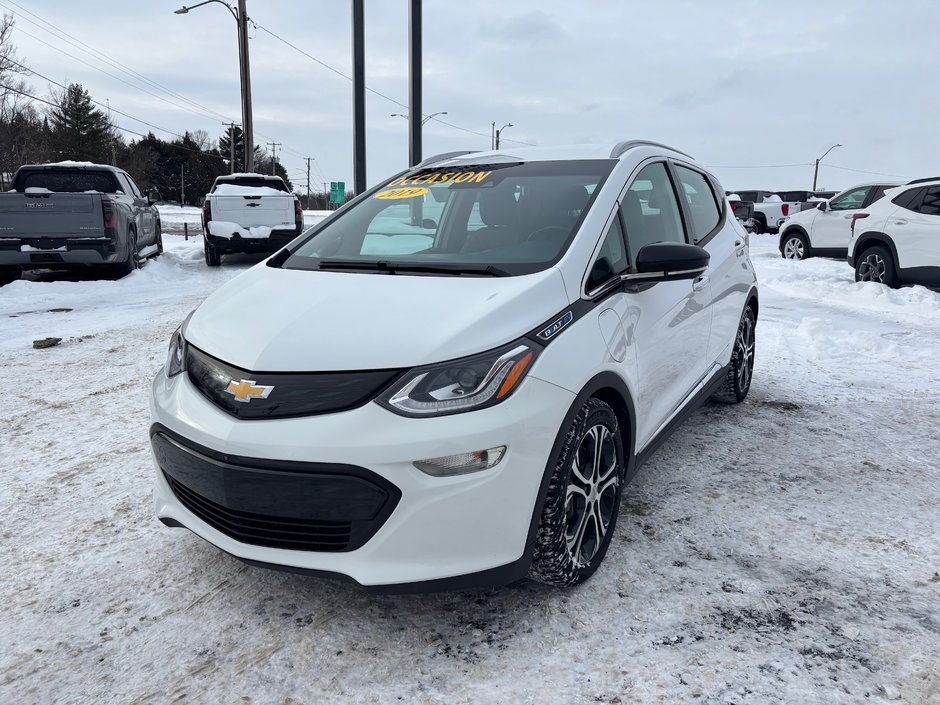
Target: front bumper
(439,528)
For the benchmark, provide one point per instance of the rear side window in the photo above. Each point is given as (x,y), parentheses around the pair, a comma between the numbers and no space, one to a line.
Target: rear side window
(908,198)
(63,181)
(930,205)
(877,193)
(701,202)
(650,209)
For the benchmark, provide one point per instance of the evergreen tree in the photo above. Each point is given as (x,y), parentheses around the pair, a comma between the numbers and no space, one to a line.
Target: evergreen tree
(225,141)
(80,130)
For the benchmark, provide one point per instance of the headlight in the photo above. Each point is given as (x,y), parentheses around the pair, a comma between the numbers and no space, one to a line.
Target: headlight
(175,355)
(461,385)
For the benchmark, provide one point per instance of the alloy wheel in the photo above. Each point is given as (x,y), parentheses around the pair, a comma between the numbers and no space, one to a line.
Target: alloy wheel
(793,248)
(744,347)
(872,268)
(591,495)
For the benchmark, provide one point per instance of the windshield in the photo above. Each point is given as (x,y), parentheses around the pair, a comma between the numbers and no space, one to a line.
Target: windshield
(496,219)
(250,182)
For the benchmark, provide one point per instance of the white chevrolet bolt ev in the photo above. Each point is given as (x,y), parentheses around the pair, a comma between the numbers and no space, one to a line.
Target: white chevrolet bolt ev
(447,383)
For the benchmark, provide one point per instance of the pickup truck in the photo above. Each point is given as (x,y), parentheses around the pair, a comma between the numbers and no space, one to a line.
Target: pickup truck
(249,213)
(769,209)
(78,216)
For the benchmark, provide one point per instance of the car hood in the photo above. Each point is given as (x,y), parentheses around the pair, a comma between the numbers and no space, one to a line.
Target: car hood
(282,320)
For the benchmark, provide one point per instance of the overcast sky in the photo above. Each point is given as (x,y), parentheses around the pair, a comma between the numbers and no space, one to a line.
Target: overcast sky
(736,84)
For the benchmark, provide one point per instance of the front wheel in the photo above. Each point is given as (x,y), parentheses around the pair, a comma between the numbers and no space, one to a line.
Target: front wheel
(738,379)
(583,498)
(876,265)
(795,247)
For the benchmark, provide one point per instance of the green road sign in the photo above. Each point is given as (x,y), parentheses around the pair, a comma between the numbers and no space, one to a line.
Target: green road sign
(338,192)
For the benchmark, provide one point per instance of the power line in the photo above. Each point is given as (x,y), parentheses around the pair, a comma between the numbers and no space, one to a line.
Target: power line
(754,166)
(860,171)
(372,90)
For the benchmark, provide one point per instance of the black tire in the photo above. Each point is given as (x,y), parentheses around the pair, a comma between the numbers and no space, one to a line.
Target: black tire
(760,224)
(794,245)
(876,265)
(158,239)
(9,274)
(132,261)
(737,381)
(577,520)
(212,254)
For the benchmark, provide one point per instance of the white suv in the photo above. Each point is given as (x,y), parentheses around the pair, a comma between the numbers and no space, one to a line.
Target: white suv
(448,382)
(824,231)
(897,240)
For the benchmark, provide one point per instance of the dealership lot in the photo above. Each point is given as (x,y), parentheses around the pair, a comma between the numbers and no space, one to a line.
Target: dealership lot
(785,549)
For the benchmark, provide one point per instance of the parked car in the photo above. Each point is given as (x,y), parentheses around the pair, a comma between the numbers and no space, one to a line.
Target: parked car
(743,211)
(824,231)
(460,402)
(769,209)
(249,213)
(896,240)
(76,215)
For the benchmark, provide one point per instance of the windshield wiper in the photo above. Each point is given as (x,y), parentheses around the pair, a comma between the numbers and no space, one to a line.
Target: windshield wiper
(393,267)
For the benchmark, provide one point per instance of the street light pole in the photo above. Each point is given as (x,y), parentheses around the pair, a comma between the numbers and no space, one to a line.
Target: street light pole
(241,20)
(816,172)
(424,121)
(500,131)
(414,88)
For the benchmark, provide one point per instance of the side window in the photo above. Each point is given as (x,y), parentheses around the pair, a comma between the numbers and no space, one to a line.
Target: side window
(123,186)
(877,193)
(611,260)
(650,210)
(908,199)
(850,200)
(701,201)
(930,205)
(134,189)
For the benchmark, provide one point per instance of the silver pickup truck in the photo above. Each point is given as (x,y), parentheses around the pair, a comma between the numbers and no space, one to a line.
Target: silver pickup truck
(75,215)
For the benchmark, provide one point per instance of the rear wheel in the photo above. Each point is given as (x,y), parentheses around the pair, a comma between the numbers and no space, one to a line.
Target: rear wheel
(212,255)
(158,239)
(876,265)
(583,499)
(738,379)
(795,247)
(132,261)
(9,274)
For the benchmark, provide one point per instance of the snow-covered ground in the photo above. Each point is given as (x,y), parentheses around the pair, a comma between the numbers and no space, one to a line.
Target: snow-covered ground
(785,550)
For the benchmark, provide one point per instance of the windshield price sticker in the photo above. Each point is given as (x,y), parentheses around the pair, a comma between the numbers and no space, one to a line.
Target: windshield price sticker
(442,177)
(399,193)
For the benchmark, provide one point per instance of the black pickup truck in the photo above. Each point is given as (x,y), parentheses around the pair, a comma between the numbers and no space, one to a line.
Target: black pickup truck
(75,215)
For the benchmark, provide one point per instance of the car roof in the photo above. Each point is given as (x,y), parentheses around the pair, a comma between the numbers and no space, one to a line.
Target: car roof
(616,150)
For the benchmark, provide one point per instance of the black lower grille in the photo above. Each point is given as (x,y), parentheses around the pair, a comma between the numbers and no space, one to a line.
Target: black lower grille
(276,503)
(280,532)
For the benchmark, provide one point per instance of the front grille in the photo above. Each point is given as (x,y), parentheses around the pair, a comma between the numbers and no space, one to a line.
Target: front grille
(276,503)
(279,532)
(287,394)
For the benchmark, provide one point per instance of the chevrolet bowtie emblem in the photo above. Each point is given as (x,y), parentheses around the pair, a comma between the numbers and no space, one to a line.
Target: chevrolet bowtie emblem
(244,390)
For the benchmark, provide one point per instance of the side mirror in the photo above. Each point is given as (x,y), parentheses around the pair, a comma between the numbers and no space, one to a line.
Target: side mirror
(824,206)
(668,261)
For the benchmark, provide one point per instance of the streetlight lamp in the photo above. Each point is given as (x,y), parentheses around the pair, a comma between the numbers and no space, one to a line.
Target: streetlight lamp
(241,19)
(432,115)
(499,132)
(816,173)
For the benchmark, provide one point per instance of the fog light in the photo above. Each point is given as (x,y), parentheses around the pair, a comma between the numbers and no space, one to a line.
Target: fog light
(461,463)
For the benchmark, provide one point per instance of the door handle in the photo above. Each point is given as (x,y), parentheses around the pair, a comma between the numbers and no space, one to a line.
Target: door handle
(847,217)
(900,221)
(699,283)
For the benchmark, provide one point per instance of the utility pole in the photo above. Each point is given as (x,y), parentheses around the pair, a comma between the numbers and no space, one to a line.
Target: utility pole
(816,172)
(415,116)
(308,181)
(182,186)
(231,146)
(359,96)
(247,122)
(326,197)
(500,131)
(493,136)
(273,145)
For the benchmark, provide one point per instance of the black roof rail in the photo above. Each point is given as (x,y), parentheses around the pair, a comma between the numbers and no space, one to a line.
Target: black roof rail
(923,181)
(446,155)
(622,147)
